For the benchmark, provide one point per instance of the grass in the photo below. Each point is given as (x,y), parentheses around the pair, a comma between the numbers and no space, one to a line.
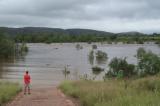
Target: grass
(139,92)
(8,91)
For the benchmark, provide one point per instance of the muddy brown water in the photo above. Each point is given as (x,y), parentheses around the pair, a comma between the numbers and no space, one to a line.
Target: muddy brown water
(46,62)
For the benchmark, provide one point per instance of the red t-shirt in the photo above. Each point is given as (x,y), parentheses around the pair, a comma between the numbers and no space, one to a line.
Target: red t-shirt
(27,79)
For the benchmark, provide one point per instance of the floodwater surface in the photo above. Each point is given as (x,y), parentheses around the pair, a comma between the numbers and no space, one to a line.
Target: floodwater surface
(46,62)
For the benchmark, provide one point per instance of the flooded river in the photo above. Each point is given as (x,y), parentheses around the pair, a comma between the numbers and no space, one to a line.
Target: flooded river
(46,62)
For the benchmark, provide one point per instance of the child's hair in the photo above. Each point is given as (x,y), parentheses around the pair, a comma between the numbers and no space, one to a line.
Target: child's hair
(26,72)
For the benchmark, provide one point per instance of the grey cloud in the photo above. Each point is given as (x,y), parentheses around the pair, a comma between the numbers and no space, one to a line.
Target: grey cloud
(96,14)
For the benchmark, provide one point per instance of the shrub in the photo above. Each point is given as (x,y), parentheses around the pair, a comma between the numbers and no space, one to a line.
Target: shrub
(140,53)
(120,68)
(148,62)
(6,48)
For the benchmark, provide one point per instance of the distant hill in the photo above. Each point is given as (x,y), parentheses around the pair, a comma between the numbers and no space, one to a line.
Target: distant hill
(44,30)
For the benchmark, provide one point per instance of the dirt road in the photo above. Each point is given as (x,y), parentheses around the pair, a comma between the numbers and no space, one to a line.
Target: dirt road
(42,97)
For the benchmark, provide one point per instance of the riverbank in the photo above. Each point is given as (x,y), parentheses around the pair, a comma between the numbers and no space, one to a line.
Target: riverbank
(8,91)
(139,92)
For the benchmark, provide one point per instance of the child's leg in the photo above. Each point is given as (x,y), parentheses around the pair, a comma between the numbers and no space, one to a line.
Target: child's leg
(29,89)
(25,88)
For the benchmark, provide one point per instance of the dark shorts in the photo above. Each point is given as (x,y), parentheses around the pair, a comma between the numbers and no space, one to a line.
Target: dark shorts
(27,85)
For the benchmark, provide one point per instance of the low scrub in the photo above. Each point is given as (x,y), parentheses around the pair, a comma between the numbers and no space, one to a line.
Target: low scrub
(140,92)
(8,91)
(148,62)
(120,68)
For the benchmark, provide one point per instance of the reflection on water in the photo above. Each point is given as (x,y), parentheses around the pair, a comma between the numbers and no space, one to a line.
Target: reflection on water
(46,62)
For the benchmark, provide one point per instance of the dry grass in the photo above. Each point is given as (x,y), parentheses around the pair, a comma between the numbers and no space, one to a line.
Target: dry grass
(140,92)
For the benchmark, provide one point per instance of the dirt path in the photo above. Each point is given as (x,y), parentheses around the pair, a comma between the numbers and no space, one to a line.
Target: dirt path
(42,97)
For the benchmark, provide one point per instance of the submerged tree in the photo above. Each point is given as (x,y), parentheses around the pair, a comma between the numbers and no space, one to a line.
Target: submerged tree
(97,70)
(94,46)
(10,49)
(66,72)
(78,47)
(101,57)
(91,57)
(23,47)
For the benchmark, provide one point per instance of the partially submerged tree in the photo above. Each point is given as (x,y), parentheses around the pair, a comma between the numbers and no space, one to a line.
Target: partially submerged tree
(120,68)
(101,56)
(97,70)
(94,46)
(78,46)
(6,48)
(91,57)
(66,72)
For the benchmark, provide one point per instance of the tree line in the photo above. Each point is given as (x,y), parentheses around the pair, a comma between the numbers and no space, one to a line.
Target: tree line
(9,48)
(53,38)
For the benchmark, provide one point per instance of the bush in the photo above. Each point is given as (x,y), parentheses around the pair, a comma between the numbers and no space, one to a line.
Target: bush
(140,53)
(148,62)
(120,68)
(6,48)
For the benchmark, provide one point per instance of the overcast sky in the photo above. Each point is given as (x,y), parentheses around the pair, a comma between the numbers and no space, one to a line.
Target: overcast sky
(106,15)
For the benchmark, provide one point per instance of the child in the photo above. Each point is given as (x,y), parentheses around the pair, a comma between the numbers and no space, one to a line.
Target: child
(27,79)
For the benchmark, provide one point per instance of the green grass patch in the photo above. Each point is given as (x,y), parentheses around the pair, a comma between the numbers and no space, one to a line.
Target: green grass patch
(8,91)
(140,92)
